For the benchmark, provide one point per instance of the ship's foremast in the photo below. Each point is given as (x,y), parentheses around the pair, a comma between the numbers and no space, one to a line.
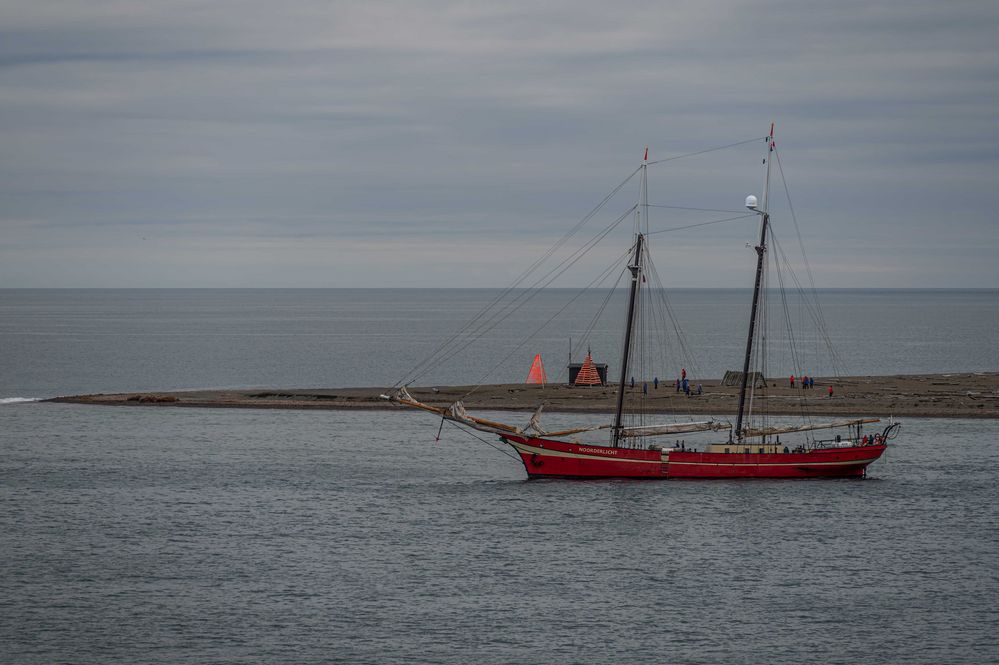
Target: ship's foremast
(636,270)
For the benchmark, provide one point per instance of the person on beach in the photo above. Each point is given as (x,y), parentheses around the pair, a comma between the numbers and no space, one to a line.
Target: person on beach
(830,391)
(655,383)
(683,373)
(700,389)
(792,380)
(678,385)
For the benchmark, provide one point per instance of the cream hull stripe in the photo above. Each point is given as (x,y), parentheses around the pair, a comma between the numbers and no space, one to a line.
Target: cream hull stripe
(852,462)
(524,448)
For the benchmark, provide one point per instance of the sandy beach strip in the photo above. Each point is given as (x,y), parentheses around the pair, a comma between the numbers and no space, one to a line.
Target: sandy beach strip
(957,395)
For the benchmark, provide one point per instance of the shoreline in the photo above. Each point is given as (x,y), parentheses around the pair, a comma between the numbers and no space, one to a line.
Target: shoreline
(952,395)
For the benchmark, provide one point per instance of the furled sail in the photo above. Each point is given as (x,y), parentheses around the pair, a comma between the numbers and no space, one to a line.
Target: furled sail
(457,412)
(577,430)
(675,428)
(535,423)
(767,431)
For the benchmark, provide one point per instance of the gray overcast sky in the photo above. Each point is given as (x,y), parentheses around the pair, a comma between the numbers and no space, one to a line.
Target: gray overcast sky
(298,143)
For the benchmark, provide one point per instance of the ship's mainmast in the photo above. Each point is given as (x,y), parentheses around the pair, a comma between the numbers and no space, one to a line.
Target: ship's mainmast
(761,251)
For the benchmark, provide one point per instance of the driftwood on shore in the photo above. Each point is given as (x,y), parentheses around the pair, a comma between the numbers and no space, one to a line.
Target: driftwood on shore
(965,395)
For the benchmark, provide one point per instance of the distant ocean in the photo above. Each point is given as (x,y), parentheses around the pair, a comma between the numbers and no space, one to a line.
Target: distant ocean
(161,535)
(57,342)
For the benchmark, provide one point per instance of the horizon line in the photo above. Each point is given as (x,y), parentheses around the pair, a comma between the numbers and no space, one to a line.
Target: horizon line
(471,288)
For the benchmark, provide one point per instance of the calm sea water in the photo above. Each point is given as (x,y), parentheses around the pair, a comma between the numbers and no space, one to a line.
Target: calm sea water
(189,535)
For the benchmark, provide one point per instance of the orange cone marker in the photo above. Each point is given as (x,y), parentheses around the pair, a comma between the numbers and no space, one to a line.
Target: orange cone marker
(537,373)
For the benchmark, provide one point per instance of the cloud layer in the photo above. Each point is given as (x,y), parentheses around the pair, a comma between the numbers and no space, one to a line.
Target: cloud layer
(449,143)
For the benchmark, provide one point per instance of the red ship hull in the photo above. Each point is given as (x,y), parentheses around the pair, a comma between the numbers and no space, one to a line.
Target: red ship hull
(559,459)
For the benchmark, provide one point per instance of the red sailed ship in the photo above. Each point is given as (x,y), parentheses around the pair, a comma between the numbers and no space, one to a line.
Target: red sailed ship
(552,458)
(749,451)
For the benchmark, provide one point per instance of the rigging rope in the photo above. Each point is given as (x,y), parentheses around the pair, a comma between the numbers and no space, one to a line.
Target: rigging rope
(600,310)
(702,152)
(598,280)
(694,226)
(500,307)
(795,361)
(659,205)
(812,308)
(520,279)
(529,294)
(809,304)
(419,369)
(488,443)
(808,268)
(684,353)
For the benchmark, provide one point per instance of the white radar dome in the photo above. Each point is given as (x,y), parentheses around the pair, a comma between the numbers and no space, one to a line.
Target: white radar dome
(751,202)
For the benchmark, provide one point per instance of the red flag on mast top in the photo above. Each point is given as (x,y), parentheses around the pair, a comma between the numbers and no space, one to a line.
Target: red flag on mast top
(537,373)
